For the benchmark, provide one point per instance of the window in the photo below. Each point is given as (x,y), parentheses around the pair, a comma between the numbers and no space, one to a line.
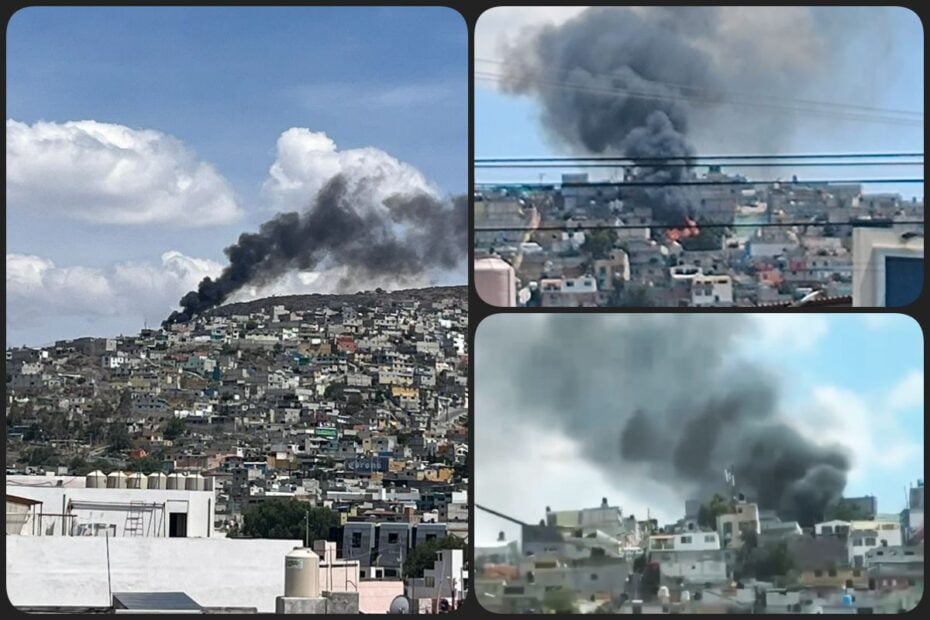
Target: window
(827,529)
(431,537)
(857,572)
(593,576)
(393,538)
(686,540)
(869,542)
(709,538)
(818,573)
(356,540)
(832,572)
(429,582)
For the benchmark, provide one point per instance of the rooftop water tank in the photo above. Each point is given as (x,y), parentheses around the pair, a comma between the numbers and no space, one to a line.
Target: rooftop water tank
(176,481)
(95,480)
(194,482)
(137,480)
(157,480)
(302,573)
(116,480)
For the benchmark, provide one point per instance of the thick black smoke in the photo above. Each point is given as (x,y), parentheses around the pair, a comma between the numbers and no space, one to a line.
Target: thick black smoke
(635,81)
(410,235)
(658,399)
(614,81)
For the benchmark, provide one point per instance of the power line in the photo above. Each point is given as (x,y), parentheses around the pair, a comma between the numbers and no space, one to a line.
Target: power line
(760,164)
(760,156)
(768,96)
(577,228)
(799,182)
(488,76)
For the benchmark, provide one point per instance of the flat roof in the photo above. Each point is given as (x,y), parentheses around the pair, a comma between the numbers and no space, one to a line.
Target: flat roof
(173,601)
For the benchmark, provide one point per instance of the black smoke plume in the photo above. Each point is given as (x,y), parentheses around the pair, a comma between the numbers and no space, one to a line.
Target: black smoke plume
(658,400)
(635,81)
(409,236)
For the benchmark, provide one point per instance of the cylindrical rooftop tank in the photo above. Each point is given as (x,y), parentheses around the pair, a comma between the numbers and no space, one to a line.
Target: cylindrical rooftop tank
(157,480)
(302,573)
(116,480)
(95,480)
(194,482)
(137,480)
(176,481)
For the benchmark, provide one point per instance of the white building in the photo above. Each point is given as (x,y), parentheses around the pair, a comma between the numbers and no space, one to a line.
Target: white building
(730,526)
(711,290)
(858,543)
(692,541)
(446,581)
(887,267)
(75,571)
(495,282)
(68,507)
(835,527)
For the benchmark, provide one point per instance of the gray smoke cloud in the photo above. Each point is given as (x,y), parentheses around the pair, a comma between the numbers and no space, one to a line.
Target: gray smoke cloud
(636,81)
(407,235)
(656,400)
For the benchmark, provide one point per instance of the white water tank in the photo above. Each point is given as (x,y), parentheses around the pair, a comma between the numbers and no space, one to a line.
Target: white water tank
(194,482)
(157,480)
(302,573)
(116,480)
(176,481)
(95,480)
(137,480)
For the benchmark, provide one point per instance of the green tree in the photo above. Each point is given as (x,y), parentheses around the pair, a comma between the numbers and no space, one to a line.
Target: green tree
(599,243)
(708,513)
(769,562)
(77,466)
(146,464)
(632,295)
(287,518)
(845,510)
(424,554)
(38,456)
(174,429)
(118,437)
(560,601)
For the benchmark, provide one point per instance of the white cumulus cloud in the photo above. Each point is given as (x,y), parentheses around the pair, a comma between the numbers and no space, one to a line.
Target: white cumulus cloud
(908,392)
(867,427)
(306,160)
(112,174)
(39,291)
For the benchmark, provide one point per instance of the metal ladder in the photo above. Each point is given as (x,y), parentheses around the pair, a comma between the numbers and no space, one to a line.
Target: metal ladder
(134,519)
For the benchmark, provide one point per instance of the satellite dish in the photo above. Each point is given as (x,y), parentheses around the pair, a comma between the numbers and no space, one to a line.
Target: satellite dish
(400,605)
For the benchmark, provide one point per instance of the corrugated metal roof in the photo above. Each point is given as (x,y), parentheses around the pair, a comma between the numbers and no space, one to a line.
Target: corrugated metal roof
(173,601)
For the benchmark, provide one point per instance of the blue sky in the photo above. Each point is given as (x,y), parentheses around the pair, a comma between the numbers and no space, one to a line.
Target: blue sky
(853,379)
(227,82)
(881,67)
